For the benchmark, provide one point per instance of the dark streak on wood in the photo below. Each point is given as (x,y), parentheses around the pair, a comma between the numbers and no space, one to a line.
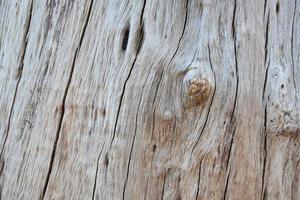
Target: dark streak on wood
(64,101)
(125,39)
(20,70)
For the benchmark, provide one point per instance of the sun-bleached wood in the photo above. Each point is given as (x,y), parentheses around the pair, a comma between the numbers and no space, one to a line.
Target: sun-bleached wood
(148,99)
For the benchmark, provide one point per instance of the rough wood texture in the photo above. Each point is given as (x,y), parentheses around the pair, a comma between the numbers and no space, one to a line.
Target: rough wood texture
(176,99)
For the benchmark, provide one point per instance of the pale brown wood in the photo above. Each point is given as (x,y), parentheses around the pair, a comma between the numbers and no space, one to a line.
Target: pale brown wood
(149,99)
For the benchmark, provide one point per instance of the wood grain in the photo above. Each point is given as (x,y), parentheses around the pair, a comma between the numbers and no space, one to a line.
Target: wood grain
(176,99)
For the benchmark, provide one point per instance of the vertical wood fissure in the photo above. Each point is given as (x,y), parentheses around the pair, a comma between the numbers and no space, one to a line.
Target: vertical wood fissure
(96,175)
(264,99)
(183,30)
(235,97)
(199,179)
(123,123)
(162,70)
(266,48)
(226,185)
(177,48)
(163,189)
(210,104)
(64,102)
(265,153)
(136,117)
(127,78)
(133,142)
(124,47)
(292,50)
(130,154)
(20,71)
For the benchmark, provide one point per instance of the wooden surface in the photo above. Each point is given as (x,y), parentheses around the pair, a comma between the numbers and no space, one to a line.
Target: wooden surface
(176,99)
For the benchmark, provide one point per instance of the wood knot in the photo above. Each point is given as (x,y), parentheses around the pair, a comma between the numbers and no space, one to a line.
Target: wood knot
(198,90)
(197,87)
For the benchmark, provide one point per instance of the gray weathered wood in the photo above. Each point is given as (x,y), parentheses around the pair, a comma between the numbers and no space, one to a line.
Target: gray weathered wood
(176,99)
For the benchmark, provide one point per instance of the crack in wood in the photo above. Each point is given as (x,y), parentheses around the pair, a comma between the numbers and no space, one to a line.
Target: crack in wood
(211,102)
(199,178)
(185,22)
(277,7)
(235,98)
(131,150)
(292,50)
(265,6)
(230,146)
(226,185)
(183,30)
(205,122)
(255,75)
(141,36)
(125,39)
(127,78)
(20,71)
(265,153)
(96,174)
(162,70)
(64,101)
(265,111)
(163,189)
(136,116)
(267,40)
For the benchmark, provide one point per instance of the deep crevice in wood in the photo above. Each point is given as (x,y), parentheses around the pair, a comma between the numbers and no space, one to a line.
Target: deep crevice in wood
(233,22)
(230,146)
(125,39)
(162,70)
(58,130)
(277,7)
(237,135)
(131,149)
(265,152)
(264,99)
(136,116)
(133,142)
(141,35)
(199,179)
(183,30)
(163,189)
(267,38)
(265,7)
(106,161)
(124,86)
(2,164)
(265,82)
(20,72)
(292,51)
(210,104)
(226,186)
(235,98)
(64,101)
(236,63)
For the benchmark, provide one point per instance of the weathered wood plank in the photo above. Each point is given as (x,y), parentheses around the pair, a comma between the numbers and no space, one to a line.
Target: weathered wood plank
(176,99)
(13,42)
(282,102)
(54,34)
